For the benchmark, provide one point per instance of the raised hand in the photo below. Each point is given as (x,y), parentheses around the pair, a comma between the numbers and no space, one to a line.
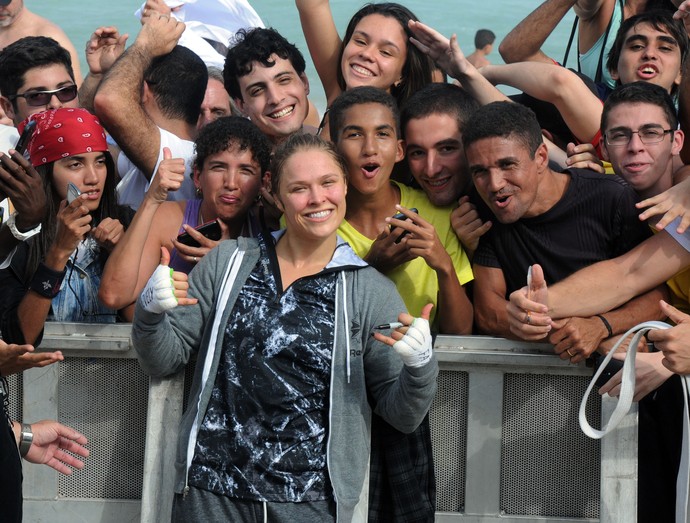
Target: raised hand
(467,224)
(446,53)
(159,34)
(192,254)
(583,156)
(20,182)
(166,289)
(168,177)
(672,203)
(413,340)
(104,47)
(108,233)
(527,309)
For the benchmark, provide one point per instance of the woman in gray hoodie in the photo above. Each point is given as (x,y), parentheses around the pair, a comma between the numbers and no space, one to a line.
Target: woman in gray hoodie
(288,370)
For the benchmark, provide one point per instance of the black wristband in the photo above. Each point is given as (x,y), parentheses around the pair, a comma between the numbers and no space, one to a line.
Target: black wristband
(606,324)
(46,281)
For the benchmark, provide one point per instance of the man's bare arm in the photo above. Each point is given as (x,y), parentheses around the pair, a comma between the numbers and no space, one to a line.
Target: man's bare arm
(490,313)
(610,283)
(118,101)
(524,42)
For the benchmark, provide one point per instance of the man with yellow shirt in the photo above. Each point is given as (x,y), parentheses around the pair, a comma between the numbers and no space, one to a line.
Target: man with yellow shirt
(427,264)
(421,254)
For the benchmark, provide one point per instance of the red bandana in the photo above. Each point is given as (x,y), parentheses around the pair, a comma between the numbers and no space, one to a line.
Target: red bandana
(61,133)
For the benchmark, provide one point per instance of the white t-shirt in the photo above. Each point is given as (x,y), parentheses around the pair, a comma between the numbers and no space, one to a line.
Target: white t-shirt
(8,139)
(133,184)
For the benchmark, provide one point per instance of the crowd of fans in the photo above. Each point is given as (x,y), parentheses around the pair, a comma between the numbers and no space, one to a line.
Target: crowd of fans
(217,212)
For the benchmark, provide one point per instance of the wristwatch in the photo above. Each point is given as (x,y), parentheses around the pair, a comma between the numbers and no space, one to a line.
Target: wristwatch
(21,236)
(26,438)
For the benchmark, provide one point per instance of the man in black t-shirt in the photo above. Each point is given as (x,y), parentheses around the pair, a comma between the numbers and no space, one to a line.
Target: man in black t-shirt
(564,221)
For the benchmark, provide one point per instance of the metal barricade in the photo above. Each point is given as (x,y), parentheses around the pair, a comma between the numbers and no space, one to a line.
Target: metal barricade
(507,445)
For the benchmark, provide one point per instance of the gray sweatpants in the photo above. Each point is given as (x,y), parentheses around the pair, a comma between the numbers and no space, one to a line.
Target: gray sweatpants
(202,506)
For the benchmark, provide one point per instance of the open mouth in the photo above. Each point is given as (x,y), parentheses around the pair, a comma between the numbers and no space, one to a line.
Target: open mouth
(502,200)
(647,71)
(363,71)
(370,169)
(282,113)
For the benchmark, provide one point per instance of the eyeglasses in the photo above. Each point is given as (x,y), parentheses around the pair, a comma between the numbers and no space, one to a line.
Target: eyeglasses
(39,98)
(648,135)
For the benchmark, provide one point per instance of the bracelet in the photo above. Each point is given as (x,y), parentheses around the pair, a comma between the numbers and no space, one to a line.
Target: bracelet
(19,235)
(606,324)
(47,281)
(26,438)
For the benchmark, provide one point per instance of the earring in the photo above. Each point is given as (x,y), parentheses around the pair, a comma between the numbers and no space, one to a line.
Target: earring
(199,194)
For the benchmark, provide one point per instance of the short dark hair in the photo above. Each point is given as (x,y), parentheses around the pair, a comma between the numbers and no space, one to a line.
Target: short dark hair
(227,131)
(418,69)
(257,45)
(359,96)
(660,20)
(178,82)
(506,120)
(27,53)
(439,98)
(640,93)
(298,142)
(483,37)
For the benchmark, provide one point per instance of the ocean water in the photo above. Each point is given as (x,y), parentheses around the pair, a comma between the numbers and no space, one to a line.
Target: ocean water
(79,18)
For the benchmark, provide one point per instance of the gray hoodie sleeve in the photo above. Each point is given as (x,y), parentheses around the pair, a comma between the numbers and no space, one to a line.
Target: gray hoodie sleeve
(165,342)
(401,395)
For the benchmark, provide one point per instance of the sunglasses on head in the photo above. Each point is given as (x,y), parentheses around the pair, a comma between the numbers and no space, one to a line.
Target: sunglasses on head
(39,98)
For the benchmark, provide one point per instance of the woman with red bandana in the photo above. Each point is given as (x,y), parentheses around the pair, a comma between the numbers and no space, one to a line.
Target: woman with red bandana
(55,274)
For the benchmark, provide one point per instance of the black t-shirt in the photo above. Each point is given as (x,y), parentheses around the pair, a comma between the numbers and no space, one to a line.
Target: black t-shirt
(595,220)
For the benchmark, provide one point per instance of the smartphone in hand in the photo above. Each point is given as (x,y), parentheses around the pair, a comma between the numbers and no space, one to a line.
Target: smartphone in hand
(210,230)
(401,216)
(26,135)
(73,192)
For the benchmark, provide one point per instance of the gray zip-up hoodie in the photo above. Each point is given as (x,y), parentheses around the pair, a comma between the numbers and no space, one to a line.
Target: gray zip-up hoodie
(364,298)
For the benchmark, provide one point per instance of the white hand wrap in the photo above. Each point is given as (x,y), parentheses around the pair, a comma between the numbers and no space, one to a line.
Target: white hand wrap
(159,294)
(415,346)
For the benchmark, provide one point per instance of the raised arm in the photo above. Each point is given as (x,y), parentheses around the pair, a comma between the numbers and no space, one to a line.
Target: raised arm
(323,42)
(524,42)
(610,283)
(579,107)
(118,101)
(137,254)
(450,58)
(26,310)
(454,307)
(104,47)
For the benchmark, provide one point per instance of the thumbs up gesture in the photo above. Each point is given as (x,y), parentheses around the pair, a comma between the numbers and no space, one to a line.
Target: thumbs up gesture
(166,289)
(168,177)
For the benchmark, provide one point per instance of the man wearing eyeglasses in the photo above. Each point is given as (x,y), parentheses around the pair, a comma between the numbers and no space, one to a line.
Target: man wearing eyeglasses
(641,136)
